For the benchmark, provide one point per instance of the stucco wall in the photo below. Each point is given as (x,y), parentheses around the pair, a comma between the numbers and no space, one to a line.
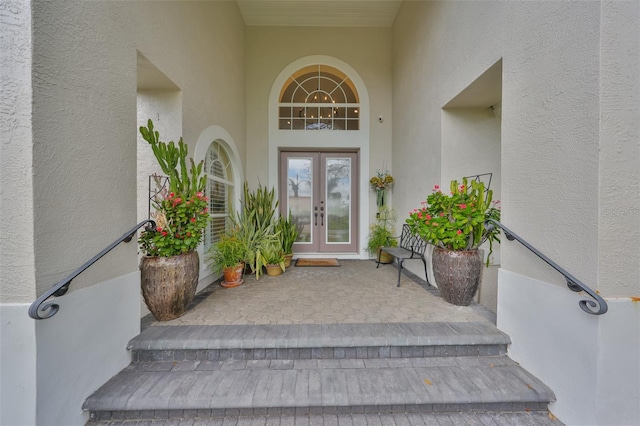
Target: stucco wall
(17,276)
(85,124)
(549,114)
(84,163)
(17,273)
(569,168)
(270,50)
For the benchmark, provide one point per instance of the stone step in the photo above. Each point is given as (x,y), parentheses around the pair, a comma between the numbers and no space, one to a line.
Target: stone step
(317,341)
(205,389)
(372,419)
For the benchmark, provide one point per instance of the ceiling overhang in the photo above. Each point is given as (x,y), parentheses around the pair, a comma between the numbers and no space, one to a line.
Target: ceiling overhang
(316,13)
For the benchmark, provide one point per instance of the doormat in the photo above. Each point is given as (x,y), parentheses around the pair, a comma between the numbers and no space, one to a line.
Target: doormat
(317,262)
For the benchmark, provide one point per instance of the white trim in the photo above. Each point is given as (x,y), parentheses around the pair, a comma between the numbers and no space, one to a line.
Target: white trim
(357,139)
(83,346)
(18,365)
(590,362)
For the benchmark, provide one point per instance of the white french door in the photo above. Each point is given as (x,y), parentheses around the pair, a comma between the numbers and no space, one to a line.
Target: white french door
(320,191)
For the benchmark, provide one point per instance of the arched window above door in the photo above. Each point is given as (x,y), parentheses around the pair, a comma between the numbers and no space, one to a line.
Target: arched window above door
(319,97)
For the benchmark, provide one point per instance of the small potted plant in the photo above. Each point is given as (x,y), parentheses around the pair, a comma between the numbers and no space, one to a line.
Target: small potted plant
(273,259)
(381,235)
(455,224)
(288,232)
(227,256)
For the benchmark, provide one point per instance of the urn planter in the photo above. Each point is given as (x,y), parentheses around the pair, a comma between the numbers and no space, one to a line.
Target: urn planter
(169,283)
(457,274)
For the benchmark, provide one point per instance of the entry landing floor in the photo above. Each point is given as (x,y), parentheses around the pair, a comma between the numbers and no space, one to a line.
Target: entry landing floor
(355,292)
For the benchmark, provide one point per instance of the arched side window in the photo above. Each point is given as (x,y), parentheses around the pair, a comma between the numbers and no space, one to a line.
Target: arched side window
(220,190)
(319,97)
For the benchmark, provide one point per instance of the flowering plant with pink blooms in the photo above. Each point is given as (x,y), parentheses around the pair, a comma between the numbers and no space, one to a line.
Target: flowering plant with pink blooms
(456,221)
(181,212)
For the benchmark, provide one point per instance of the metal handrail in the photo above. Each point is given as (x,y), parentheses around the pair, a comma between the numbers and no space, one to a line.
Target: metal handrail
(595,307)
(38,311)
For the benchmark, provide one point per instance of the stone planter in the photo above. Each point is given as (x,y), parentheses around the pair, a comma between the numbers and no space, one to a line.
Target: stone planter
(457,274)
(169,284)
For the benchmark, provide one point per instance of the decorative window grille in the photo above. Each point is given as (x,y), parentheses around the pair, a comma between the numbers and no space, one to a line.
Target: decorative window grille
(220,183)
(319,97)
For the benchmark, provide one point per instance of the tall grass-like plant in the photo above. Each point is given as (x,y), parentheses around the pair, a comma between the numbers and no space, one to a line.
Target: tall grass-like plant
(288,233)
(254,224)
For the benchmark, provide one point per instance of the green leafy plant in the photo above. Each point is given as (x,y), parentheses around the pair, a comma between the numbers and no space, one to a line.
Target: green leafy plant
(381,232)
(227,252)
(254,225)
(288,233)
(181,214)
(457,221)
(272,255)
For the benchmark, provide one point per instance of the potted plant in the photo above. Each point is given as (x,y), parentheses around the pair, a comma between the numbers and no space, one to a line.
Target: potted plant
(170,266)
(288,233)
(273,258)
(227,256)
(254,225)
(455,224)
(381,235)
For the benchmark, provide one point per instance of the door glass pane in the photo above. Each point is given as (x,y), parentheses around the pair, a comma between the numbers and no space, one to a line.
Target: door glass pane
(299,195)
(338,184)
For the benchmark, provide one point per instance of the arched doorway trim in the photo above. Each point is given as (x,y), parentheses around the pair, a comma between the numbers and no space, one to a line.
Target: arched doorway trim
(284,139)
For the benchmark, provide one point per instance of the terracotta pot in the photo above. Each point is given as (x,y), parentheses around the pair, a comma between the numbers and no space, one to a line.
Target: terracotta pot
(287,260)
(274,270)
(457,274)
(233,276)
(169,284)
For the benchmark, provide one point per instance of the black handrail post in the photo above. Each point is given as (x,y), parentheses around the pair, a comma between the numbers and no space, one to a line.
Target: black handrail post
(48,310)
(598,306)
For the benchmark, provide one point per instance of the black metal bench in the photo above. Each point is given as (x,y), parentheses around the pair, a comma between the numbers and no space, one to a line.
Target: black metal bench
(411,246)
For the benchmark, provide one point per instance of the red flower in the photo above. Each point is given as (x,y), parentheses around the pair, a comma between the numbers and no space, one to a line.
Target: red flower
(188,234)
(159,228)
(193,220)
(164,233)
(458,232)
(463,206)
(199,194)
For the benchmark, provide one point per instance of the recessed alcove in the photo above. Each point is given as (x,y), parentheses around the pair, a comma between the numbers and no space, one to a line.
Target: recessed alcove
(471,145)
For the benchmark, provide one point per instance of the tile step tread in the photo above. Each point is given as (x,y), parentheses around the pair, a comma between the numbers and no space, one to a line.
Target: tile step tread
(193,337)
(392,419)
(325,383)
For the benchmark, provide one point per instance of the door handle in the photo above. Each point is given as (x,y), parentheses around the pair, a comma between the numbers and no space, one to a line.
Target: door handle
(321,215)
(315,215)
